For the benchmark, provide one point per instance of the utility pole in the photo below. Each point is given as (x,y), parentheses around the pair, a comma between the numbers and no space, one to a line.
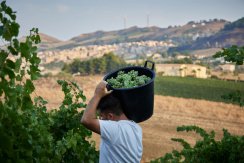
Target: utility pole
(147,20)
(125,21)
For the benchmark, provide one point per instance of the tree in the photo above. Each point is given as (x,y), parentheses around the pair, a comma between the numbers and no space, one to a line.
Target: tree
(101,68)
(90,67)
(194,73)
(113,62)
(105,64)
(233,54)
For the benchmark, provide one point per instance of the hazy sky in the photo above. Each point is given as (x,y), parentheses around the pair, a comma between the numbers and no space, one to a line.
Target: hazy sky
(65,19)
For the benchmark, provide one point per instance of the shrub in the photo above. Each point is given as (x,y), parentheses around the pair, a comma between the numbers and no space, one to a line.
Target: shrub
(228,150)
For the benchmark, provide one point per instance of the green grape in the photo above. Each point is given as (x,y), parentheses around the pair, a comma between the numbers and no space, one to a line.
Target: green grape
(128,80)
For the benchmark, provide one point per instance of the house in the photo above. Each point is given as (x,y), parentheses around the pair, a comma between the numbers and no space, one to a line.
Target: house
(181,56)
(227,67)
(157,56)
(181,70)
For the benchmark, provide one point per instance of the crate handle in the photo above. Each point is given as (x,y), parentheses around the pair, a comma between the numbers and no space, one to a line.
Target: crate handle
(145,65)
(109,87)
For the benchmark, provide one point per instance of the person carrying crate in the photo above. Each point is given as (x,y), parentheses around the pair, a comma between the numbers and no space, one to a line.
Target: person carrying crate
(121,138)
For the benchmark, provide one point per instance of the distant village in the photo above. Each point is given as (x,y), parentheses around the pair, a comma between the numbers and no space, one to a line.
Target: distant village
(127,51)
(135,51)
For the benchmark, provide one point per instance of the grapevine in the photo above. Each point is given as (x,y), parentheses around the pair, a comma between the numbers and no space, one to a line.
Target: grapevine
(28,133)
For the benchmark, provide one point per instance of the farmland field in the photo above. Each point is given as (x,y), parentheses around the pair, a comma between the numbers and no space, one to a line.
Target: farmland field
(208,89)
(169,112)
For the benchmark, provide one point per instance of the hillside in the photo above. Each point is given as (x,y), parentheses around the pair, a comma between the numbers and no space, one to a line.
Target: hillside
(179,35)
(47,42)
(48,39)
(231,34)
(189,31)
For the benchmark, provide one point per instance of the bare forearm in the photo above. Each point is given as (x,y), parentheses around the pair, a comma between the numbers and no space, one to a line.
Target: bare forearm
(89,119)
(90,112)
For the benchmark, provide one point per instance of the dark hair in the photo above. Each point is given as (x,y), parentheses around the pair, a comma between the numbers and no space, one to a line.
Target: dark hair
(110,103)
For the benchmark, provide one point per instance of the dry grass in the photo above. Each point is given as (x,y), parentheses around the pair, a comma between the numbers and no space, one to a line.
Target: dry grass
(169,112)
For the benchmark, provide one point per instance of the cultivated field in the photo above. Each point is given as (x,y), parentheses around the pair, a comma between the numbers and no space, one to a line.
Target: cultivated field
(169,112)
(196,88)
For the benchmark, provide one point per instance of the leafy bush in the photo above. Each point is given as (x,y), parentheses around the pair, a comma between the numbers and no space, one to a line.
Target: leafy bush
(28,133)
(68,134)
(228,150)
(235,97)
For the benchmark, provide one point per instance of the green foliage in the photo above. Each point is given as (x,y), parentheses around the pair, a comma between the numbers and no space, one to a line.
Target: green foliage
(128,80)
(235,97)
(228,150)
(69,135)
(181,61)
(208,89)
(28,133)
(53,65)
(232,54)
(101,65)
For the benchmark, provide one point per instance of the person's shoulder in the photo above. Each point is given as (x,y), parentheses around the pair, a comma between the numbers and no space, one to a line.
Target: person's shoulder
(107,122)
(129,122)
(120,123)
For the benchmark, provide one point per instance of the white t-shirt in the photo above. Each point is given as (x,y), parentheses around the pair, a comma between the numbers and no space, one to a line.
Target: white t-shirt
(121,142)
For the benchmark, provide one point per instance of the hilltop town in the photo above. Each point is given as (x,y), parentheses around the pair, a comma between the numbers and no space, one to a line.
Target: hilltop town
(131,50)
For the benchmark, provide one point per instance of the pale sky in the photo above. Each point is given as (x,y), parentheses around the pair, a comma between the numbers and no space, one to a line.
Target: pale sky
(64,19)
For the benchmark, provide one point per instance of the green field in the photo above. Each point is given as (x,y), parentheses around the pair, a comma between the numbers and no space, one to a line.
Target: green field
(208,89)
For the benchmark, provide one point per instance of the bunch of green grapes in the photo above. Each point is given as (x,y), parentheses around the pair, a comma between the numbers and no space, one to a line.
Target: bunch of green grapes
(128,80)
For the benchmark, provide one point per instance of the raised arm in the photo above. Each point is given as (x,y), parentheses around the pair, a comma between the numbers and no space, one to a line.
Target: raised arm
(89,119)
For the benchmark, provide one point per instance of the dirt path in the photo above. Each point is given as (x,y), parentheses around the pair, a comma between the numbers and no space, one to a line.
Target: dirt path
(169,112)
